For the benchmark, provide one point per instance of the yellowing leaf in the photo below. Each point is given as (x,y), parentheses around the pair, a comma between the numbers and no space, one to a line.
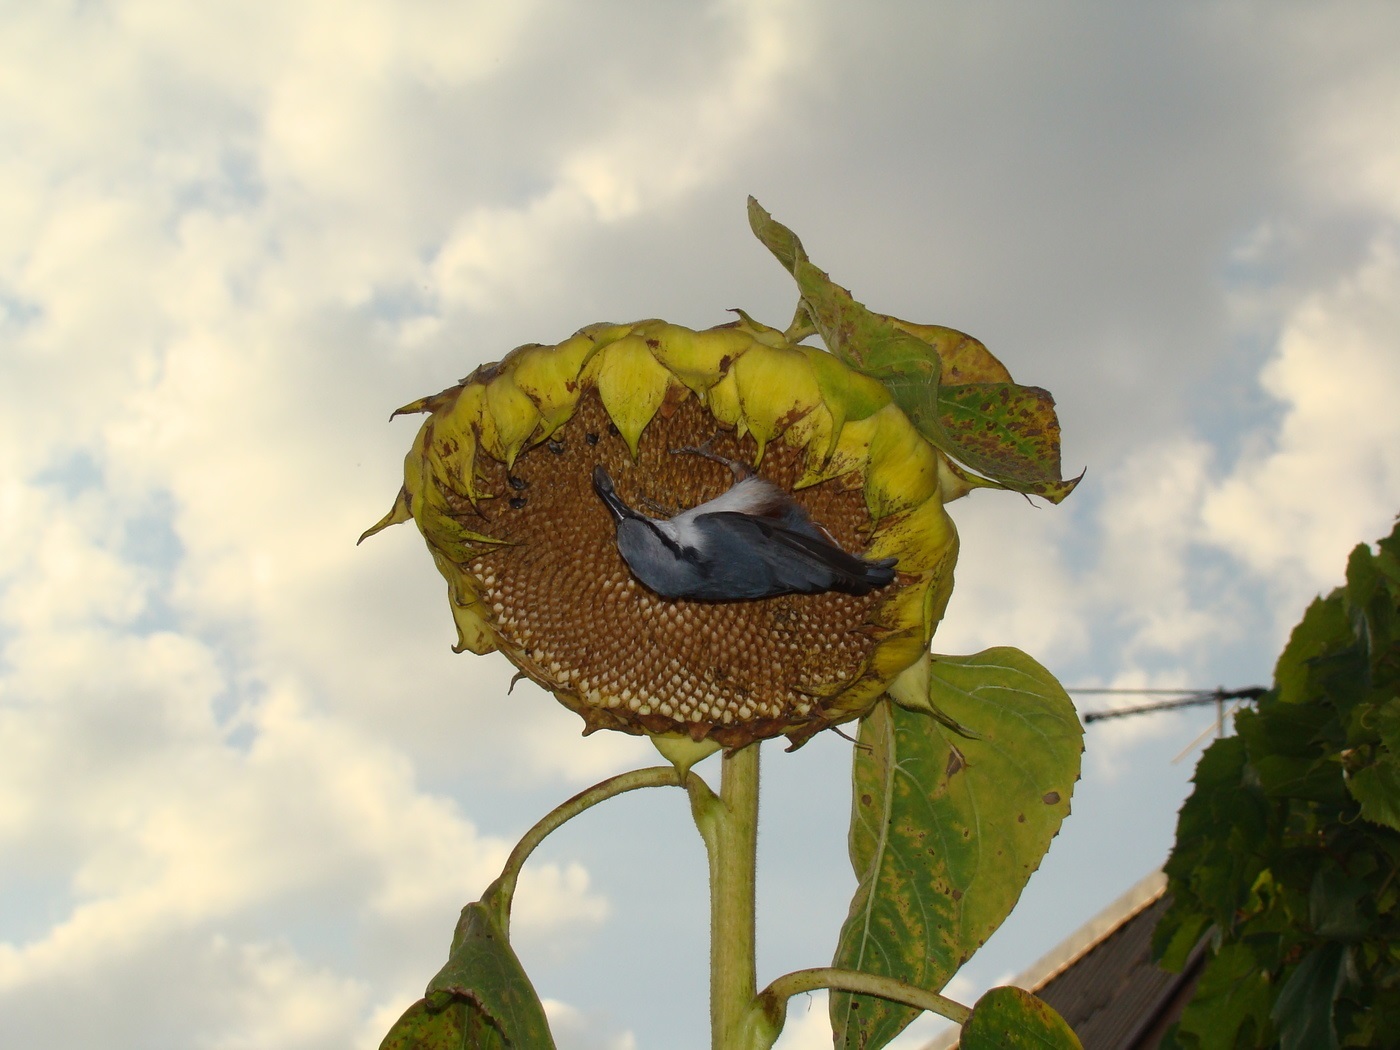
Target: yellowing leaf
(946,829)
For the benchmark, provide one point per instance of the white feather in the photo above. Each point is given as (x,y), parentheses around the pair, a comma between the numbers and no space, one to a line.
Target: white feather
(752,495)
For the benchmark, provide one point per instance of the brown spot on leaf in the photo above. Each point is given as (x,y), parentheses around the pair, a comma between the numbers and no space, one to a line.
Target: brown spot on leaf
(1050,797)
(956,762)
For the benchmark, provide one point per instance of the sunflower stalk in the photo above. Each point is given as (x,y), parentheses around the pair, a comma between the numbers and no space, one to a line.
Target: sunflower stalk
(728,824)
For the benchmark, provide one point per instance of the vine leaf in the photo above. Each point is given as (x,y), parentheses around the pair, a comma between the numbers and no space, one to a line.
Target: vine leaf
(1012,1019)
(481,998)
(950,385)
(946,828)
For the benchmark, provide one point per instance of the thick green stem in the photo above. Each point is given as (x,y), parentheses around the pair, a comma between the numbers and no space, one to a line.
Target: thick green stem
(729,825)
(501,892)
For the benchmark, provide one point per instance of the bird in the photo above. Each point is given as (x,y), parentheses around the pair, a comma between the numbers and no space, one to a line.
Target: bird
(752,541)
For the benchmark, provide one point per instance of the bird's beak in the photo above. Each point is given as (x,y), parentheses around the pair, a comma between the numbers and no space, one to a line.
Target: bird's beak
(603,485)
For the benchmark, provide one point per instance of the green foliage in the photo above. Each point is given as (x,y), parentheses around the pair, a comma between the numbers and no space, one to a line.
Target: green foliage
(481,998)
(946,828)
(1013,1019)
(1288,850)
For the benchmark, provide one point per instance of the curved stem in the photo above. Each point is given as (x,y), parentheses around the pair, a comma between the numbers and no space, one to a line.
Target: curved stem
(773,999)
(501,892)
(729,825)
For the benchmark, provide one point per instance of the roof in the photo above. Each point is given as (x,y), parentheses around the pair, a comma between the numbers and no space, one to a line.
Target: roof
(1102,980)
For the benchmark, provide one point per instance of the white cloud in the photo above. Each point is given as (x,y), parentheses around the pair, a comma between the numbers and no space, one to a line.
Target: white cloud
(1328,476)
(575,1029)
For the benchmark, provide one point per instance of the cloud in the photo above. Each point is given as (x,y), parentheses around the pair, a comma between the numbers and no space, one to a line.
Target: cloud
(1326,477)
(575,1029)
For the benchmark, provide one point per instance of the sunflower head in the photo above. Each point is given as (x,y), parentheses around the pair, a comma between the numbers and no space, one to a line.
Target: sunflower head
(499,481)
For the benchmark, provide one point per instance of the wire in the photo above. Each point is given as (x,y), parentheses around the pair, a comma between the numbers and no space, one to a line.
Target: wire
(1193,698)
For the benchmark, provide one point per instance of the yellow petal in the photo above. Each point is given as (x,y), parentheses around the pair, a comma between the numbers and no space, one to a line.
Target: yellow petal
(548,376)
(903,470)
(816,433)
(451,442)
(631,383)
(722,400)
(400,512)
(851,453)
(847,394)
(474,631)
(514,415)
(776,389)
(698,359)
(923,539)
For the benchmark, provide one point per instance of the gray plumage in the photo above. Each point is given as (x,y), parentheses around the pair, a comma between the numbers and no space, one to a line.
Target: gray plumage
(751,542)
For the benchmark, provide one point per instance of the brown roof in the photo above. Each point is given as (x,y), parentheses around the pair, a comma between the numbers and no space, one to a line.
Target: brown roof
(1102,979)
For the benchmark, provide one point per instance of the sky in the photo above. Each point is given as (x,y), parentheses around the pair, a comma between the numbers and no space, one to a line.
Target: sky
(245,785)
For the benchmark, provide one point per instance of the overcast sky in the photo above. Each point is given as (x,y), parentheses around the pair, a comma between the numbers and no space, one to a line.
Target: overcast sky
(244,783)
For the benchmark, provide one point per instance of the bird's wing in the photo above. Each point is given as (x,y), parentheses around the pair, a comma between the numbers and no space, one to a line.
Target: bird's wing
(799,561)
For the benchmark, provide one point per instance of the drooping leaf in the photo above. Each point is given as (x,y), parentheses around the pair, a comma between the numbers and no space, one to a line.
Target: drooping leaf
(1303,1010)
(1008,434)
(1012,1019)
(481,998)
(946,829)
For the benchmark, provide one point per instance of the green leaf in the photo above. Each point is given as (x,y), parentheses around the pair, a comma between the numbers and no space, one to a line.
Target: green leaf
(1007,433)
(1377,788)
(1012,1019)
(1317,780)
(1323,629)
(1336,905)
(1231,999)
(1217,856)
(482,997)
(436,1024)
(1373,594)
(1302,1013)
(946,829)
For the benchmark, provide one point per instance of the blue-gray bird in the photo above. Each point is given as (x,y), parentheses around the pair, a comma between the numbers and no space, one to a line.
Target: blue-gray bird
(753,541)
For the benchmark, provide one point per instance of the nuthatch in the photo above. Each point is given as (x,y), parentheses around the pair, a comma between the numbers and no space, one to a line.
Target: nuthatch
(753,541)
